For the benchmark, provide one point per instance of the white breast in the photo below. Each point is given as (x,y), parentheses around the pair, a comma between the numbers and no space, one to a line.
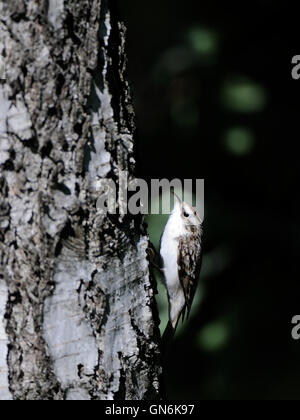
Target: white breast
(169,253)
(169,250)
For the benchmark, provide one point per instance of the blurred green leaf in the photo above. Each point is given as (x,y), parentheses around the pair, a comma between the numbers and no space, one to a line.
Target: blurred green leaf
(239,140)
(203,40)
(213,337)
(215,261)
(244,96)
(173,61)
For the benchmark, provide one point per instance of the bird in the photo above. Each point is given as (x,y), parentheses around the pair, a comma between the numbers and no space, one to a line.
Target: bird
(180,261)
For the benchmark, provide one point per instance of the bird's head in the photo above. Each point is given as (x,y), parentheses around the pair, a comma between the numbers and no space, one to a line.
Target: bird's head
(187,212)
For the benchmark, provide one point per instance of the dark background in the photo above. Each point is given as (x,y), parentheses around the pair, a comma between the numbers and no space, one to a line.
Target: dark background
(215,99)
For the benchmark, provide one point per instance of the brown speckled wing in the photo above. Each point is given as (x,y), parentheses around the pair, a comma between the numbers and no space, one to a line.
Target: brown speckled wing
(189,265)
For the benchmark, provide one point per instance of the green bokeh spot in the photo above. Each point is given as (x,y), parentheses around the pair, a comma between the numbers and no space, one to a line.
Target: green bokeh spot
(239,141)
(203,41)
(213,337)
(244,96)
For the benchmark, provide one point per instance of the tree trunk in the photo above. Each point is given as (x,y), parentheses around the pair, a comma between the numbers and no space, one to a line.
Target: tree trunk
(77,309)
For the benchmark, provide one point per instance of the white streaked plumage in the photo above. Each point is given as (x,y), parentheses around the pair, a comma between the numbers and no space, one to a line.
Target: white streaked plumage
(180,251)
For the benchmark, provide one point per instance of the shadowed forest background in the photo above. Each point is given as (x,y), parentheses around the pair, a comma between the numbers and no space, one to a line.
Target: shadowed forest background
(214,99)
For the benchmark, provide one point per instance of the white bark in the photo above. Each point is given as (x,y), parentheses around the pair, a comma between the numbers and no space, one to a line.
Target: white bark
(76,295)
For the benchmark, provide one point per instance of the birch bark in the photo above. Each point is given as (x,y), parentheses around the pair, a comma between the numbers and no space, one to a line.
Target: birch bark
(77,309)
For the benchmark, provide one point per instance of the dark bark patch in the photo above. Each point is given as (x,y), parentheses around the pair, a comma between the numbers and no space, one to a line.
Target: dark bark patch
(80,369)
(63,188)
(71,29)
(60,81)
(15,298)
(46,150)
(78,128)
(52,111)
(32,144)
(8,166)
(121,393)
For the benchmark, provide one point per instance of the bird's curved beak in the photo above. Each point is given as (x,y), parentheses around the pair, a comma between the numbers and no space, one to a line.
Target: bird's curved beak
(199,219)
(177,199)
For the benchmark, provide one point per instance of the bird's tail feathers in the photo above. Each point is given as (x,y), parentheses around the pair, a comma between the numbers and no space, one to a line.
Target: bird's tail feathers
(167,338)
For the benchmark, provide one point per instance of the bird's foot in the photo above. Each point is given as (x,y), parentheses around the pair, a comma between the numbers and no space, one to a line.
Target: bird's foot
(151,253)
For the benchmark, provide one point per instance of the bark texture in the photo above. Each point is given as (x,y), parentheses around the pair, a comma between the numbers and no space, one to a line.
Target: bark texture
(76,296)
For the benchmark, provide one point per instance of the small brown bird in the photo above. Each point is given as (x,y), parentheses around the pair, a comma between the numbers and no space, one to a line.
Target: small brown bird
(181,257)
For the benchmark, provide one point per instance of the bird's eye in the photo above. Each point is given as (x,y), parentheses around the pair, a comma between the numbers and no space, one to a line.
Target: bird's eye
(185,214)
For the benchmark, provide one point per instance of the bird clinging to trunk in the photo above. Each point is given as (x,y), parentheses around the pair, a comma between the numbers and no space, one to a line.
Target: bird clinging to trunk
(181,256)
